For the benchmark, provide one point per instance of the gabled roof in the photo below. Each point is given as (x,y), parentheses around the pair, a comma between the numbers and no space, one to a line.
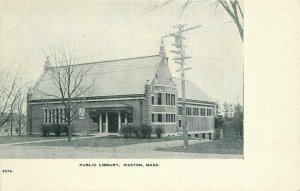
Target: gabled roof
(192,91)
(117,78)
(111,78)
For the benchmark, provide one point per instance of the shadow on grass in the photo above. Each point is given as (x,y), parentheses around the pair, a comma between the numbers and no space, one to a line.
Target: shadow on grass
(224,146)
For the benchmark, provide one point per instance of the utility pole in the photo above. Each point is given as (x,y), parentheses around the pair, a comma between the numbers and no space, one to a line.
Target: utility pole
(180,59)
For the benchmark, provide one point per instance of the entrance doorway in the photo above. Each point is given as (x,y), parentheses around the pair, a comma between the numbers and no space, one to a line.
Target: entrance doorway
(112,122)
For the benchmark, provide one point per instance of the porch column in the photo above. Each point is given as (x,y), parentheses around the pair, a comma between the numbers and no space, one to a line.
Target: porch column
(119,121)
(48,114)
(106,122)
(126,123)
(100,122)
(45,110)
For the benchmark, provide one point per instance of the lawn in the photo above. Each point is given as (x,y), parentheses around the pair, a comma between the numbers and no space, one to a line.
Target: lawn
(224,146)
(26,138)
(101,142)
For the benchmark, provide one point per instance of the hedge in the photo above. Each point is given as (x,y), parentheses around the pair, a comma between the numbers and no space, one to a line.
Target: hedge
(55,128)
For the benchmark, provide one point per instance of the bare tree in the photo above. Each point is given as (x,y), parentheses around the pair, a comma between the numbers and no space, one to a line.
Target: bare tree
(236,12)
(10,89)
(232,7)
(231,110)
(21,100)
(226,110)
(71,80)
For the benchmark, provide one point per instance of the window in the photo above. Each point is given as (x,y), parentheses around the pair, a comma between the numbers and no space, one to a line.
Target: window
(170,99)
(209,112)
(53,115)
(179,122)
(50,115)
(153,117)
(188,111)
(81,113)
(159,117)
(167,99)
(65,115)
(152,100)
(57,116)
(170,117)
(159,99)
(61,115)
(179,110)
(173,99)
(194,111)
(202,111)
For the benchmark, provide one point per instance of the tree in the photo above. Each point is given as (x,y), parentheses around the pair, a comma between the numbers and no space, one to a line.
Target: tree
(232,7)
(10,89)
(226,110)
(71,80)
(21,99)
(217,110)
(217,115)
(231,110)
(238,120)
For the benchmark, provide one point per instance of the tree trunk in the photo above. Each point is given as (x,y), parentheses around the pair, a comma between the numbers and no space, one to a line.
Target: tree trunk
(69,132)
(19,127)
(11,125)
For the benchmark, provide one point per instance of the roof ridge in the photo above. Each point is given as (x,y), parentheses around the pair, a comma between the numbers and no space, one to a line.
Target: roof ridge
(99,62)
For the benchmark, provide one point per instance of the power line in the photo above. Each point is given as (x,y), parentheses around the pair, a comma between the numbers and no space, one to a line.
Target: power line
(126,48)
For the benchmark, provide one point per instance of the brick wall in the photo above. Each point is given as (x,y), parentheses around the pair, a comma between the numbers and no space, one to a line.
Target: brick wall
(86,124)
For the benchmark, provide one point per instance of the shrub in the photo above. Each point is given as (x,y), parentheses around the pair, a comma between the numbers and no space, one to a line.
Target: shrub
(127,130)
(46,129)
(158,132)
(146,131)
(55,128)
(137,132)
(64,127)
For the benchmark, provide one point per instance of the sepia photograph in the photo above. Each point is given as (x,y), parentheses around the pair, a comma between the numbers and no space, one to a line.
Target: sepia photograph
(130,79)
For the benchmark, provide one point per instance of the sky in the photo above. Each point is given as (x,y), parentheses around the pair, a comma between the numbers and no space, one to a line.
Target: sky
(105,30)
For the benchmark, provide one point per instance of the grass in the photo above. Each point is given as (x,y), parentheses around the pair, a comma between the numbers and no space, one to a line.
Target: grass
(101,142)
(224,146)
(24,138)
(27,138)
